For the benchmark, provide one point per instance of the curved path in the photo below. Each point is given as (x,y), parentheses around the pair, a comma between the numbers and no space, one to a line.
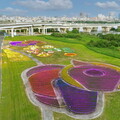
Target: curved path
(28,55)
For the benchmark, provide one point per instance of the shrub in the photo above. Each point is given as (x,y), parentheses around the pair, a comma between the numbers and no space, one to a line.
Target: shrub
(57,34)
(112,29)
(108,40)
(67,35)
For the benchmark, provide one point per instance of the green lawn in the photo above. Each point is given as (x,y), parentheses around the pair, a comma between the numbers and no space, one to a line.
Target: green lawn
(107,51)
(14,105)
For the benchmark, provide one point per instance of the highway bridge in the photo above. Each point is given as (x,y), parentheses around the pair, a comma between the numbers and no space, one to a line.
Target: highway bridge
(28,28)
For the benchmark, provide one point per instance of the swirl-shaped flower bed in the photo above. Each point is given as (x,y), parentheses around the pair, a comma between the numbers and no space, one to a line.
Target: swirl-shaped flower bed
(77,88)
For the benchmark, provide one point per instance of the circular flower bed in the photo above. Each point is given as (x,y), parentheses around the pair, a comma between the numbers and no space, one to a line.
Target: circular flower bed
(70,54)
(94,77)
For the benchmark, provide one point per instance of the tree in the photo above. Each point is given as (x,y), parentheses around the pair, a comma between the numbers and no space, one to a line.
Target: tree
(112,29)
(75,31)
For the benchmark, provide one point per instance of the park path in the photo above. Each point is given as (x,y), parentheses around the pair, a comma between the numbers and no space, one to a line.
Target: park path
(28,55)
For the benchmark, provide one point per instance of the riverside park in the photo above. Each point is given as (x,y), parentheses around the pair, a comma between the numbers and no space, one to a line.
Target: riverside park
(66,76)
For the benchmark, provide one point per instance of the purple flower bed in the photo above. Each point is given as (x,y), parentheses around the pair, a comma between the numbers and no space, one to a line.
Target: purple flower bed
(95,77)
(52,101)
(32,44)
(15,43)
(24,43)
(77,100)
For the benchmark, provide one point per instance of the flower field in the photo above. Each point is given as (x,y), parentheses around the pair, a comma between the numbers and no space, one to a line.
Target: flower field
(15,56)
(14,104)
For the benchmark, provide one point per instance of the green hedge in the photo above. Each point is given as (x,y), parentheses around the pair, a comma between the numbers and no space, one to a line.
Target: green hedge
(67,35)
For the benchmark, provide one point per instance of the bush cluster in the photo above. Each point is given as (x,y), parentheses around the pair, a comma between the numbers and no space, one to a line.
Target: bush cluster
(116,30)
(67,35)
(106,41)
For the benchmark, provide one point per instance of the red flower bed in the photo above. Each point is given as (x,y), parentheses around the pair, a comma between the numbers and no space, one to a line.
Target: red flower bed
(41,82)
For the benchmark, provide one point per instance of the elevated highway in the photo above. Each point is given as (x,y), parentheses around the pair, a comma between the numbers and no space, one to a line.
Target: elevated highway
(28,28)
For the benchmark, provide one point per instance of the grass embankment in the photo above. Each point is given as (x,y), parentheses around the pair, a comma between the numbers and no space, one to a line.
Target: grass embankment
(85,39)
(106,51)
(16,106)
(108,44)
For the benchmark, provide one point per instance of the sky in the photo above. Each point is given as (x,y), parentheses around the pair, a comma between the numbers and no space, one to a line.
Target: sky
(50,8)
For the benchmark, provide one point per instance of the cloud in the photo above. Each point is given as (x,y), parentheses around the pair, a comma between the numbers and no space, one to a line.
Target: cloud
(45,5)
(108,4)
(13,11)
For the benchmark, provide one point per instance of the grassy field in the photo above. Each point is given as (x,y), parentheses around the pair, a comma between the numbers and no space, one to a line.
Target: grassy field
(107,51)
(85,38)
(14,105)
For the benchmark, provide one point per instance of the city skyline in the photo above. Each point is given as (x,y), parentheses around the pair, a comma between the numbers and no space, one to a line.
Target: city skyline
(59,7)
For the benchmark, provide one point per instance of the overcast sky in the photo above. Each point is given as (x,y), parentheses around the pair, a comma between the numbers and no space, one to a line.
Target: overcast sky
(58,7)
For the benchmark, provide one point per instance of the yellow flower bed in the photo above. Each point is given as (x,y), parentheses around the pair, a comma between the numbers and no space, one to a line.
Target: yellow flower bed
(43,54)
(47,46)
(14,56)
(32,47)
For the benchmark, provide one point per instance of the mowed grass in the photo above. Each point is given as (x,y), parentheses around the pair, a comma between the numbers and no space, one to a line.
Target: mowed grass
(107,51)
(14,103)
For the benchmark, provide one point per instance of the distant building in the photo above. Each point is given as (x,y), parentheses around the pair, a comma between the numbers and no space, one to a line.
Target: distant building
(83,15)
(111,15)
(101,17)
(119,16)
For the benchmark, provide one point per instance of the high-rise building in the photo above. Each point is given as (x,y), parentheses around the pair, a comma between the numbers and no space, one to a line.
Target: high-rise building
(111,15)
(119,16)
(83,15)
